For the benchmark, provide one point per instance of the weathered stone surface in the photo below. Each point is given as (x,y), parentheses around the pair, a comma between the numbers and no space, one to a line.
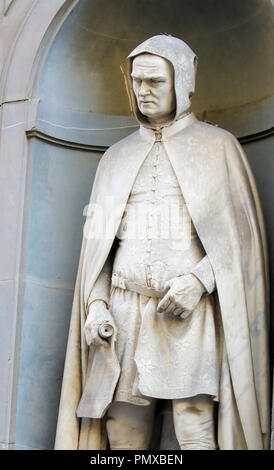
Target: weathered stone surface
(27,32)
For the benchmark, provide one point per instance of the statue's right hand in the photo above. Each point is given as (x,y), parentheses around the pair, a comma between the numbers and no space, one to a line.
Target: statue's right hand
(98,315)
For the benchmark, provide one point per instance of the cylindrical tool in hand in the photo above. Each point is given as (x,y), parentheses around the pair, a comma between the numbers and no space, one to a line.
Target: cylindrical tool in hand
(105,330)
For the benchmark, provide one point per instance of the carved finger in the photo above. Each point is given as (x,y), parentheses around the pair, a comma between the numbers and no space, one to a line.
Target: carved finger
(177,311)
(162,306)
(87,335)
(88,339)
(170,308)
(185,314)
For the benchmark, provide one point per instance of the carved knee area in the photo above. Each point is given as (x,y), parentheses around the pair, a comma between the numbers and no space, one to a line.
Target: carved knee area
(129,427)
(194,423)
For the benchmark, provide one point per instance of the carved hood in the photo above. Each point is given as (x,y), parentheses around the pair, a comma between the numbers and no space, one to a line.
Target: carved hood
(184,62)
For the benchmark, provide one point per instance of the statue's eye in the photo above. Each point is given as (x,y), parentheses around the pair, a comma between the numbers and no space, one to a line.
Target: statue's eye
(156,81)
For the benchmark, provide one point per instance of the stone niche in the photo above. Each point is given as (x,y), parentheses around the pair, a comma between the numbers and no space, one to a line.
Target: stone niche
(84,108)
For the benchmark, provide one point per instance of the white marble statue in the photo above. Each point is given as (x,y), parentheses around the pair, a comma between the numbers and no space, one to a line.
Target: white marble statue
(171,294)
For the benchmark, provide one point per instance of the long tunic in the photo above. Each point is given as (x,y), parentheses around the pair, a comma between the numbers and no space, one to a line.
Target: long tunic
(161,355)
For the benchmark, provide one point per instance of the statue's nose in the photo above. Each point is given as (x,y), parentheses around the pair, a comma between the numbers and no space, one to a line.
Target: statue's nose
(144,90)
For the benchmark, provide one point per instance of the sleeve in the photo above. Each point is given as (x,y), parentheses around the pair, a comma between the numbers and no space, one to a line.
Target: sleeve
(204,272)
(101,288)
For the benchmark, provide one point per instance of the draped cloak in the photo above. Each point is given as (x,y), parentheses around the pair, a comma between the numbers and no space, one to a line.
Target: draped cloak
(219,190)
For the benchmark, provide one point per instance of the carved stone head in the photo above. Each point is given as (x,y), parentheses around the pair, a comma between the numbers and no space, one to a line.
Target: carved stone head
(169,56)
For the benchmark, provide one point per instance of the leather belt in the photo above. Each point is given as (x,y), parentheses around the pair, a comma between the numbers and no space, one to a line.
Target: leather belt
(119,281)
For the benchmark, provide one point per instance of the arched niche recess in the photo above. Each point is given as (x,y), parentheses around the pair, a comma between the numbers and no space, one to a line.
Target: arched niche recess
(77,107)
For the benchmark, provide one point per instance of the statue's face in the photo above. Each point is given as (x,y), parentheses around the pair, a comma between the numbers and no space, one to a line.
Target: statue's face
(153,85)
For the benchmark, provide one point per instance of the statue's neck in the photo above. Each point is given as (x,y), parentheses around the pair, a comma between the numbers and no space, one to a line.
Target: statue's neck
(166,120)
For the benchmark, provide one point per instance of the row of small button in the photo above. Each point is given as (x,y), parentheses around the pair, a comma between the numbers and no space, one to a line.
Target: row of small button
(156,152)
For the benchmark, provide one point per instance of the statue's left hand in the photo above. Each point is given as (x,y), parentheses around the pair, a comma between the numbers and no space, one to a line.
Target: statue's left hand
(183,295)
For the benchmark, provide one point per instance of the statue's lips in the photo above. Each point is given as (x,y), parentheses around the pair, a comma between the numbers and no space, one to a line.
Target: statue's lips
(146,102)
